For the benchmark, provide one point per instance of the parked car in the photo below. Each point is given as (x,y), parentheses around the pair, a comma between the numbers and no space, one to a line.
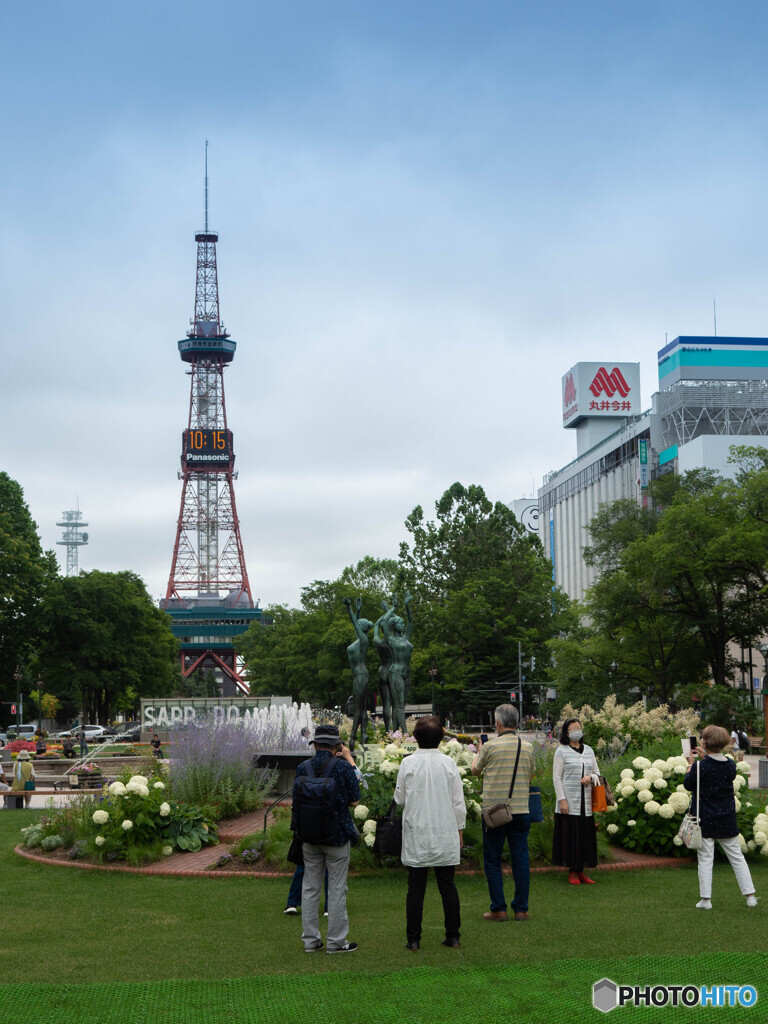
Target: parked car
(21,732)
(93,733)
(131,735)
(3,740)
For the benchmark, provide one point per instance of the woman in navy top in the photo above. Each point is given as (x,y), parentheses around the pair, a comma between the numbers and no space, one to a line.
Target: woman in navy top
(717,809)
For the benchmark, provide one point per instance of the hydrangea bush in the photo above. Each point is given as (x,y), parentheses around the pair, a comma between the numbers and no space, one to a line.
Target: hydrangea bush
(382,777)
(651,802)
(630,728)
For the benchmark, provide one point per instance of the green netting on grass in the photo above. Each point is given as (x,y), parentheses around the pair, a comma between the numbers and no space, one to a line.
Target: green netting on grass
(558,992)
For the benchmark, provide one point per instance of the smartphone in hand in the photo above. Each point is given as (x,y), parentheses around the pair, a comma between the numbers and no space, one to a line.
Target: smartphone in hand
(484,737)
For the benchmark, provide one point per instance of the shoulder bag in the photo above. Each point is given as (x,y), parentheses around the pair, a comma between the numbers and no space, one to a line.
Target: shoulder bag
(389,834)
(690,828)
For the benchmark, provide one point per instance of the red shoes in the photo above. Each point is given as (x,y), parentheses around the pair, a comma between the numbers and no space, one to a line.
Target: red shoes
(579,878)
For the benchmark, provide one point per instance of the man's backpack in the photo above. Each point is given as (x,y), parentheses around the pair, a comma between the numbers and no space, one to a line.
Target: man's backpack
(744,743)
(316,814)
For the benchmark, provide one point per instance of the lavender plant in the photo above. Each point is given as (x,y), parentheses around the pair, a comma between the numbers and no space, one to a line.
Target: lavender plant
(213,764)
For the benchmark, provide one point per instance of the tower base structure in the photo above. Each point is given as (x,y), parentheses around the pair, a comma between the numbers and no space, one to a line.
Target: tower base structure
(206,628)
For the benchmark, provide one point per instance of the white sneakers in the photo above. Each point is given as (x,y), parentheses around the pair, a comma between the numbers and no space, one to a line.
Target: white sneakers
(707,904)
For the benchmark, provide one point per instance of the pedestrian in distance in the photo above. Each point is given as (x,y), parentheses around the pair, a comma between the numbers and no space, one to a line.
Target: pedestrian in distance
(157,747)
(574,770)
(325,788)
(83,743)
(23,776)
(434,814)
(711,779)
(506,763)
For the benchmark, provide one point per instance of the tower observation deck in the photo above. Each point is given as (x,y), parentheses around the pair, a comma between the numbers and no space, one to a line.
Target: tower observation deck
(208,595)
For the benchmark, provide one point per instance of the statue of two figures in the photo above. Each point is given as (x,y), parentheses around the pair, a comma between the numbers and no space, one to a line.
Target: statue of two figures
(392,637)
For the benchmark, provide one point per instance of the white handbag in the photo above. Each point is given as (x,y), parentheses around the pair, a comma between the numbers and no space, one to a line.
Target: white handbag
(690,828)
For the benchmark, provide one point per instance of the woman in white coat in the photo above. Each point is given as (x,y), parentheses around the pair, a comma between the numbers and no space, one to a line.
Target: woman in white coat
(434,813)
(574,769)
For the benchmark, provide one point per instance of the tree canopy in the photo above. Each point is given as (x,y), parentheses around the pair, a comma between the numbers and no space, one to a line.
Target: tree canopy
(102,637)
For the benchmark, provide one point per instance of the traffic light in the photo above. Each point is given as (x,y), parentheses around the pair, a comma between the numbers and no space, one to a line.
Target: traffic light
(533,665)
(13,709)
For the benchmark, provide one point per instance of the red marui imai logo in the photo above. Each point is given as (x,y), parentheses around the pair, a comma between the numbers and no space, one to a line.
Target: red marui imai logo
(569,395)
(609,383)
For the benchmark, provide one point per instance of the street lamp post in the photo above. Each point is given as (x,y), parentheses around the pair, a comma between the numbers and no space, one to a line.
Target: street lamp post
(17,678)
(433,677)
(39,707)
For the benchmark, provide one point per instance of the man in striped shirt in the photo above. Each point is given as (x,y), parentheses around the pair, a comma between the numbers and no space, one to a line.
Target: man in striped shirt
(495,761)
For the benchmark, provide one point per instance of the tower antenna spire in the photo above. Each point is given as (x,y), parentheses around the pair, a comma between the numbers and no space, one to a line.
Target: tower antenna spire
(206,186)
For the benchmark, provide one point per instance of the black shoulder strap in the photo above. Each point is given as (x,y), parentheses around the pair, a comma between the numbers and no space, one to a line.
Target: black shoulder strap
(514,773)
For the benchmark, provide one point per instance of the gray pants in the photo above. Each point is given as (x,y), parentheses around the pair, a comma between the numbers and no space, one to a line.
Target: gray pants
(316,860)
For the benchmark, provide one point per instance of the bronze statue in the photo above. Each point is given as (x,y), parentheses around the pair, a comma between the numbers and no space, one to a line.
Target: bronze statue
(356,652)
(395,652)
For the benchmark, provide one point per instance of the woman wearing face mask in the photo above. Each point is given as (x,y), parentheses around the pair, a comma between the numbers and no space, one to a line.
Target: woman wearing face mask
(574,770)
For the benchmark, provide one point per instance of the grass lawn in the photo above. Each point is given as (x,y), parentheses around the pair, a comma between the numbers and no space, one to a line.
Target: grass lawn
(185,950)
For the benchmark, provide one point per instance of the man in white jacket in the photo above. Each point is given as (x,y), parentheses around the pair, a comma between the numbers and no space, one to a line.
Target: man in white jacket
(434,814)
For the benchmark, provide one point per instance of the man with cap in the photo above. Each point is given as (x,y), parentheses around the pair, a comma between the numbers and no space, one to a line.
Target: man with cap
(332,855)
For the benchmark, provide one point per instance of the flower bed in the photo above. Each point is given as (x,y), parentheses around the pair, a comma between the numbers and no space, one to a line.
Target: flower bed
(129,820)
(651,802)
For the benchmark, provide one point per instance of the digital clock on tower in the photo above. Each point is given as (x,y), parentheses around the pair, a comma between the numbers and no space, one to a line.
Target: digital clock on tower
(206,447)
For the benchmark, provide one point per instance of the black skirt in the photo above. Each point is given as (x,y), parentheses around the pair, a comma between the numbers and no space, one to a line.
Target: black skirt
(575,841)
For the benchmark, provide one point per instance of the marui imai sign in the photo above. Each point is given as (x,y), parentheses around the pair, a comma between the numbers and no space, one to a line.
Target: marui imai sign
(601,389)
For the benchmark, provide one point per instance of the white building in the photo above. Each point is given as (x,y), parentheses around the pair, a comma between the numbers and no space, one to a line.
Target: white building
(713,392)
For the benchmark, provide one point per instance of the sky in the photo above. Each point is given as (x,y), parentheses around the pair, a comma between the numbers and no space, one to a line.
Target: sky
(428,211)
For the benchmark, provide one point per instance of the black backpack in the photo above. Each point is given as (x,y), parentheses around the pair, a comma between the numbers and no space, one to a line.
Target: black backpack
(744,743)
(315,810)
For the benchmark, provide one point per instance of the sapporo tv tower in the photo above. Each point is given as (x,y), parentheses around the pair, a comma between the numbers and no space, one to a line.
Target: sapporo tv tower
(208,596)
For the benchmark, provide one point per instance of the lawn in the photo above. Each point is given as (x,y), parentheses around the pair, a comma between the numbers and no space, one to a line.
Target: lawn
(163,950)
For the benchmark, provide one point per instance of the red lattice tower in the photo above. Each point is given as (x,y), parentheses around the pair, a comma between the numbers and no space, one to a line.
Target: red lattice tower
(208,556)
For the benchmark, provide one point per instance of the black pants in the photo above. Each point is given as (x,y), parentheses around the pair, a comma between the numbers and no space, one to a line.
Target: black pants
(414,902)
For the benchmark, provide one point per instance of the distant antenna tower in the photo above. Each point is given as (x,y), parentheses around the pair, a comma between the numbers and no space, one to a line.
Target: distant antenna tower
(73,538)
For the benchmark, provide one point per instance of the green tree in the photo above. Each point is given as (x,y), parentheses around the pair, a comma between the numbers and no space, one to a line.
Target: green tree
(26,572)
(103,638)
(482,585)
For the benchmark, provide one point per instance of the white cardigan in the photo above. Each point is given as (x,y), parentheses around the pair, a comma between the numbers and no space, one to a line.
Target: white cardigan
(430,792)
(568,769)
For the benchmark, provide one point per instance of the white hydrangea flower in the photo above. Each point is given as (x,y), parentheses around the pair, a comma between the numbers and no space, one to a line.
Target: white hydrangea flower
(612,830)
(127,825)
(760,837)
(660,764)
(665,811)
(99,840)
(476,808)
(392,750)
(645,796)
(764,850)
(117,789)
(677,841)
(641,763)
(388,767)
(627,790)
(165,810)
(751,845)
(361,812)
(742,843)
(737,802)
(134,786)
(660,784)
(627,773)
(739,782)
(680,769)
(642,784)
(743,766)
(159,785)
(652,774)
(748,803)
(651,807)
(631,823)
(369,827)
(369,838)
(143,791)
(141,779)
(167,851)
(100,817)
